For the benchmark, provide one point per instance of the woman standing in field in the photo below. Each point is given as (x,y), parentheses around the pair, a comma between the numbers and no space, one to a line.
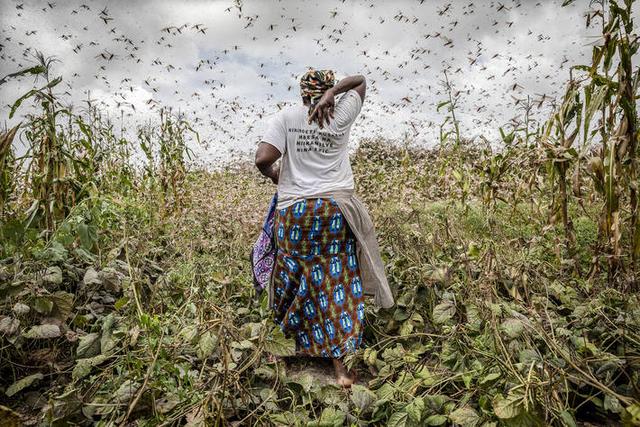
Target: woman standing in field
(327,256)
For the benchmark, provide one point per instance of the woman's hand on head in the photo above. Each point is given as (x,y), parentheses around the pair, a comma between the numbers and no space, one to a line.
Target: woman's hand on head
(323,109)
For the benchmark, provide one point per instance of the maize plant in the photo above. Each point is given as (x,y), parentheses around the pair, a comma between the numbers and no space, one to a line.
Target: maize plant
(61,167)
(173,150)
(146,143)
(557,140)
(49,169)
(8,168)
(103,154)
(494,168)
(460,175)
(615,170)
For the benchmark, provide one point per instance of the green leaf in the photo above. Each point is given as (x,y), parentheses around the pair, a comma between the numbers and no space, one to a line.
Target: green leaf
(465,416)
(285,418)
(567,419)
(436,403)
(512,327)
(38,69)
(406,329)
(467,377)
(370,356)
(43,332)
(406,383)
(84,366)
(490,377)
(121,303)
(386,391)
(415,409)
(330,417)
(436,420)
(54,253)
(362,397)
(88,345)
(62,305)
(473,250)
(507,407)
(25,382)
(631,414)
(278,345)
(29,94)
(441,104)
(206,345)
(399,419)
(427,377)
(401,313)
(188,334)
(611,403)
(107,340)
(43,305)
(305,380)
(84,255)
(265,372)
(527,356)
(525,419)
(126,391)
(53,275)
(86,236)
(443,312)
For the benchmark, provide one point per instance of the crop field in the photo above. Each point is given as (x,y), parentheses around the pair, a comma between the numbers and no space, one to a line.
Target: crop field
(126,293)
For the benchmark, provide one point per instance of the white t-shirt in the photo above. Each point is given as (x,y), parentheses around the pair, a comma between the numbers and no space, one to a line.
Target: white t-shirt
(314,160)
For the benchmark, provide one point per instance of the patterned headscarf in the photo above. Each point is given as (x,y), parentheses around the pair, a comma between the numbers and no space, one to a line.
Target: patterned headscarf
(314,83)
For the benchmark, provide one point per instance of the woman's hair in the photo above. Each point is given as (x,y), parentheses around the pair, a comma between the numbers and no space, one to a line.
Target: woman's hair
(314,83)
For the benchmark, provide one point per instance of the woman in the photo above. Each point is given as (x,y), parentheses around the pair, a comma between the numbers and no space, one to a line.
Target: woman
(327,257)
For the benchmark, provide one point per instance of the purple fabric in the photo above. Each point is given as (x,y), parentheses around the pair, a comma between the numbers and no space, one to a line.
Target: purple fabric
(263,254)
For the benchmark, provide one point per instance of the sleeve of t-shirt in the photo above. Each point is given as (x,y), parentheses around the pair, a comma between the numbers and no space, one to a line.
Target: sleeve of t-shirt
(347,108)
(276,132)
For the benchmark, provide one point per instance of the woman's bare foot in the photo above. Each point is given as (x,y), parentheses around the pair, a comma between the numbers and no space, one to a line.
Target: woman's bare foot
(343,377)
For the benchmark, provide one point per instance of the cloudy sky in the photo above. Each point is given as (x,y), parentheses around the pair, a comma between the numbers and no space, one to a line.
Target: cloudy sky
(229,65)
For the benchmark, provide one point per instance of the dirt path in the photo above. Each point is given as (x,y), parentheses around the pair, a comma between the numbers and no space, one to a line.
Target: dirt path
(320,369)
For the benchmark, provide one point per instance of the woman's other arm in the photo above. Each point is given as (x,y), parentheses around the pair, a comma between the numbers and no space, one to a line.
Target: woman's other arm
(324,108)
(266,156)
(357,82)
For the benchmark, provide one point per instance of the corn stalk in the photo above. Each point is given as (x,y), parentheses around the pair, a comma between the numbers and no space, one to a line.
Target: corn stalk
(615,170)
(460,175)
(173,154)
(557,140)
(8,169)
(49,168)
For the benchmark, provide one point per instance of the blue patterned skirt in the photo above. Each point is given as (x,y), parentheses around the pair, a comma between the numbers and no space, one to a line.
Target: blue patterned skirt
(318,294)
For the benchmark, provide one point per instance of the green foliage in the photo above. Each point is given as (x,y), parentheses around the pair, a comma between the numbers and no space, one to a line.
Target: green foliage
(126,295)
(162,313)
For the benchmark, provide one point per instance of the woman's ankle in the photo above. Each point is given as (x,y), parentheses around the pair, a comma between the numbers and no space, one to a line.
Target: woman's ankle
(344,377)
